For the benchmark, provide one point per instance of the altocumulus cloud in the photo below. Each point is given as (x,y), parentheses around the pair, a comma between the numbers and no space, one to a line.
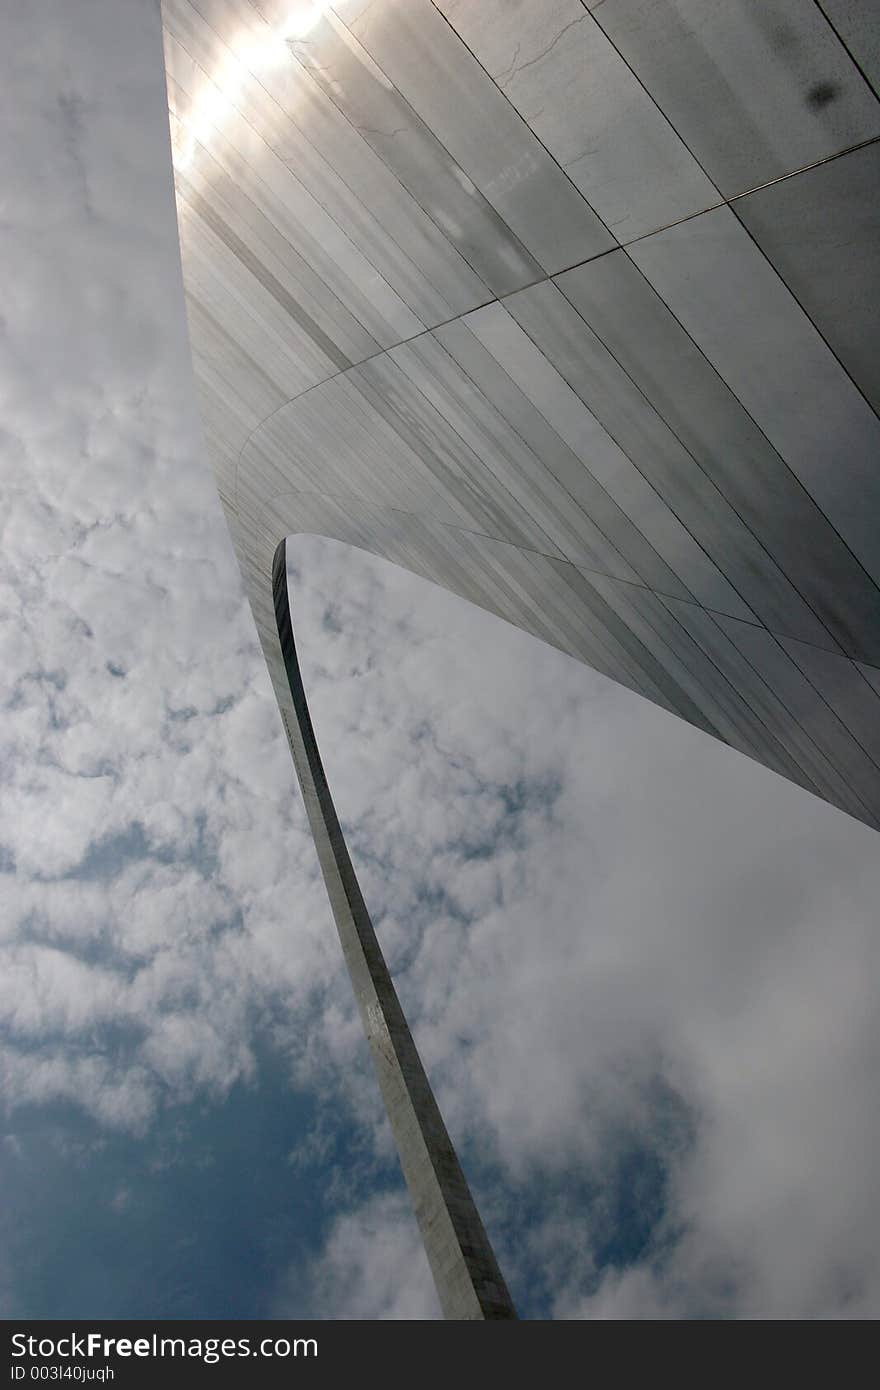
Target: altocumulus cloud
(154,852)
(639,967)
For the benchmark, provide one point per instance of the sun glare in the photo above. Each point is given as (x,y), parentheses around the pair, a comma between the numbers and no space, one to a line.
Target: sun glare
(248,57)
(302,19)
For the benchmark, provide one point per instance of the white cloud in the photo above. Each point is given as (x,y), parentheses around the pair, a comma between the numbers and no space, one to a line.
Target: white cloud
(372,1266)
(162,866)
(660,948)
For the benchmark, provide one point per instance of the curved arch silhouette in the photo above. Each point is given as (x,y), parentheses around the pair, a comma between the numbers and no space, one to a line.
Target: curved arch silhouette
(469,1282)
(635,417)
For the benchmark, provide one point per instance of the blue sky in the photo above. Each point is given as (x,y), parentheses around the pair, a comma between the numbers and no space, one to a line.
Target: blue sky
(640,968)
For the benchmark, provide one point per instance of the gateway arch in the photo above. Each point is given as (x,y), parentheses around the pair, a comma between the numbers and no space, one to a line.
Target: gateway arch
(569,306)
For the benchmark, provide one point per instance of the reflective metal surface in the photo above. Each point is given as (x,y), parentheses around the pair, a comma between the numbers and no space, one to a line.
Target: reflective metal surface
(821,231)
(735,307)
(755,90)
(586,105)
(571,308)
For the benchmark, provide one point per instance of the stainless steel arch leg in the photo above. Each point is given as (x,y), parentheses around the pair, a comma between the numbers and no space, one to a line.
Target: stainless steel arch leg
(469,1282)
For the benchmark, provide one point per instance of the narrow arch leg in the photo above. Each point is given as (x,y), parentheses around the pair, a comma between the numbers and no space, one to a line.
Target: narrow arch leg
(469,1281)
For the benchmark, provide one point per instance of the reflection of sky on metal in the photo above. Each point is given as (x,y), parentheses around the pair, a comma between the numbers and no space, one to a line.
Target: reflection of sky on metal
(246,58)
